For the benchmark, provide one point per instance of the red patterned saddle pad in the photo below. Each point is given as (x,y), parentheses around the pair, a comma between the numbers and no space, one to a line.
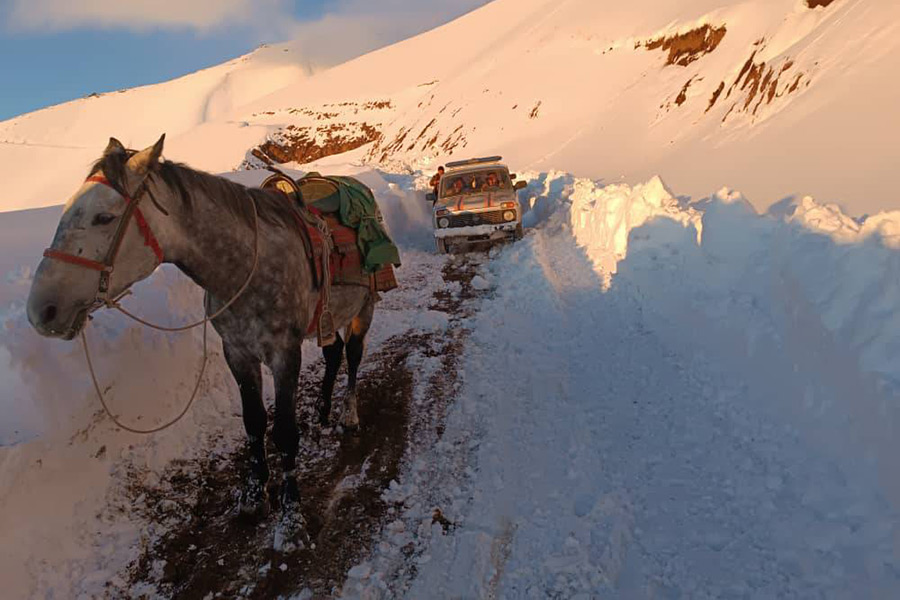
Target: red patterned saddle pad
(345,261)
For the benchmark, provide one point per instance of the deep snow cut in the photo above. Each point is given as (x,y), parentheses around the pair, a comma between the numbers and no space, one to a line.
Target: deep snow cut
(679,414)
(788,320)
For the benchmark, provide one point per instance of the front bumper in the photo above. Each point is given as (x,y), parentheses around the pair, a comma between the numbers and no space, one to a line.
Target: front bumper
(478,231)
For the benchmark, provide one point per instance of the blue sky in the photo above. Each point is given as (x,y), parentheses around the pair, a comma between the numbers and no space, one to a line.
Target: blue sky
(52,51)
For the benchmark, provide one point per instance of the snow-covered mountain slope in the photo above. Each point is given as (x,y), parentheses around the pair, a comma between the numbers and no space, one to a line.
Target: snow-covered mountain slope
(772,97)
(776,97)
(45,153)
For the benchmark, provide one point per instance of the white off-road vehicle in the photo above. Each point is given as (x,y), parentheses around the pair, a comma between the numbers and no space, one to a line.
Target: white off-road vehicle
(476,203)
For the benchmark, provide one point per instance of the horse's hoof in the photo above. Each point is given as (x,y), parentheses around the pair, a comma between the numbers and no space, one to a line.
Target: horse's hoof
(290,532)
(254,500)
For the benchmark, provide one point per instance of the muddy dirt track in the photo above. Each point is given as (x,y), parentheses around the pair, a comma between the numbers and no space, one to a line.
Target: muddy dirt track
(207,550)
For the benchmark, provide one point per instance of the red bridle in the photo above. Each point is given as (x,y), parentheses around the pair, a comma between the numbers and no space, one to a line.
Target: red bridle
(106,267)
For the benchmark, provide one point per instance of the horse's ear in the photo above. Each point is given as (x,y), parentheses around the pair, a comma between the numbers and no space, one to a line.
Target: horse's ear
(144,161)
(114,147)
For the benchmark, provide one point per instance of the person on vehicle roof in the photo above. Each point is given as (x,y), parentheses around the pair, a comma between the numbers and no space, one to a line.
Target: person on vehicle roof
(436,179)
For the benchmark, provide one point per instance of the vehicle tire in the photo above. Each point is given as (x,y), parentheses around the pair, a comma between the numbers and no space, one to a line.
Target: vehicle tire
(441,245)
(519,233)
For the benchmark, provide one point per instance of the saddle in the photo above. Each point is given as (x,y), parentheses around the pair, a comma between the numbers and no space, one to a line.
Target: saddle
(331,247)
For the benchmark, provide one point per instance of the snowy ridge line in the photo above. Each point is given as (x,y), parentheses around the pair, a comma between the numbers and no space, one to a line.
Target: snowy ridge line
(40,145)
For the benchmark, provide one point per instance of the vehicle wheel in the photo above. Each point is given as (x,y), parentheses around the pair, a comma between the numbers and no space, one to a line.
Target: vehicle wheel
(441,246)
(519,232)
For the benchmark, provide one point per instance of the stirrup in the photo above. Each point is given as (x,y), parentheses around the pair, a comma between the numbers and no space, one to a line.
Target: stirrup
(325,329)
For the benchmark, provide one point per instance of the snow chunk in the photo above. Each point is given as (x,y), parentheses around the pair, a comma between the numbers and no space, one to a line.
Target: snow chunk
(360,571)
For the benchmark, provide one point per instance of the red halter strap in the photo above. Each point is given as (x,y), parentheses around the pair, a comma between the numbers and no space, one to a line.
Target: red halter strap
(76,260)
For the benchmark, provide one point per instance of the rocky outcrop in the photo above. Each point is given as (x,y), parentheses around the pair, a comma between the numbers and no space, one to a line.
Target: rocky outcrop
(685,48)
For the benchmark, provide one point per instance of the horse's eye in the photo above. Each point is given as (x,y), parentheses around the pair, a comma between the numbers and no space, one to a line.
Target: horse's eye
(103,219)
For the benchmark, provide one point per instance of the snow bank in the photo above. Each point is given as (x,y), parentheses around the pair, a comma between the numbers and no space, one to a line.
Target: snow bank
(665,398)
(804,296)
(847,270)
(60,457)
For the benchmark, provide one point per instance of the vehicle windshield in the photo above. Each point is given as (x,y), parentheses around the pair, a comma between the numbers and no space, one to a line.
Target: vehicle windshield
(474,182)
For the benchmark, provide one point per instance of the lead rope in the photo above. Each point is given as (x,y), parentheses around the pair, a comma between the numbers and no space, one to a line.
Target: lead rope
(114,303)
(115,419)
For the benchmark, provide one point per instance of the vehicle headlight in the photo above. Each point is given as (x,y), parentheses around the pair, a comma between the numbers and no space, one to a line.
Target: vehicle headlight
(444,223)
(509,216)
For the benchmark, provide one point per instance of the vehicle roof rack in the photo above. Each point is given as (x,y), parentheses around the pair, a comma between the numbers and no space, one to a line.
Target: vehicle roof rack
(473,161)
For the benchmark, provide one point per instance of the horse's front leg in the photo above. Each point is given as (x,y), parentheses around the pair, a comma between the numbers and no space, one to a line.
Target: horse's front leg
(357,330)
(246,372)
(286,373)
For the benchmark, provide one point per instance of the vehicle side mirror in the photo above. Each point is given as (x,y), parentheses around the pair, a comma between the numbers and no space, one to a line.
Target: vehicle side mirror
(512,175)
(431,197)
(520,185)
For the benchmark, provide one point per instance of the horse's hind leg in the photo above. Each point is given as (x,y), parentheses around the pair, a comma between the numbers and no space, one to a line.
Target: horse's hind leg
(357,331)
(286,372)
(246,372)
(334,355)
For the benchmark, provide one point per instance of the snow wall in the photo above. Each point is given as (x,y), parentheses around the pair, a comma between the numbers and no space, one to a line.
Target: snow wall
(804,296)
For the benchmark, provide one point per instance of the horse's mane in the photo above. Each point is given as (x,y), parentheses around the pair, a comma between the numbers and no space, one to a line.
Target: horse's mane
(272,206)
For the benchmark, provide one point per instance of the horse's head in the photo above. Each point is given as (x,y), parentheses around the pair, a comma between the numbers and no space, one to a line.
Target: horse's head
(102,245)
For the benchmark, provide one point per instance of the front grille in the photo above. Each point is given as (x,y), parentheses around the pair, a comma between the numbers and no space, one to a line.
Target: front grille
(494,217)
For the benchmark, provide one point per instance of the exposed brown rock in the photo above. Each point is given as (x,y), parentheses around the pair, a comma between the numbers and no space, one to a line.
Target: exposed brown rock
(761,84)
(685,48)
(715,96)
(817,3)
(453,140)
(682,95)
(305,144)
(422,134)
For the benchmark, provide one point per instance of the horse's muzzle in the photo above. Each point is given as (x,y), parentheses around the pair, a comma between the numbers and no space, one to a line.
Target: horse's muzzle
(49,321)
